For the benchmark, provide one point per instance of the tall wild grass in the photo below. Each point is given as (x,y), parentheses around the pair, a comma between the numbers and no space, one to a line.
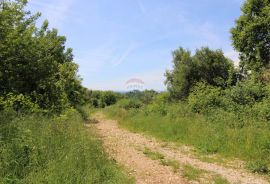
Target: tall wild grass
(40,149)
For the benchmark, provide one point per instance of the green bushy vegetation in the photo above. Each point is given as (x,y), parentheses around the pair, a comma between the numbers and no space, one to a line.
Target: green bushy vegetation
(210,104)
(41,149)
(101,99)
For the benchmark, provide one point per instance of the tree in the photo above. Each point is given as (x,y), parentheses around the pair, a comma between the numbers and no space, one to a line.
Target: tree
(206,65)
(35,61)
(251,34)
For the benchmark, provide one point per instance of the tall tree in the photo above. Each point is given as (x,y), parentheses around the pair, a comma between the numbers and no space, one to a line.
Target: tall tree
(251,34)
(35,61)
(206,65)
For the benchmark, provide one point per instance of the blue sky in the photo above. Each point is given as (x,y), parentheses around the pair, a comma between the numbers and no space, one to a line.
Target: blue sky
(116,40)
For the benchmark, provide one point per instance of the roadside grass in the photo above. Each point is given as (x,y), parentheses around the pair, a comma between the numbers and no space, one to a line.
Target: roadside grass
(41,149)
(209,135)
(175,165)
(192,173)
(152,154)
(217,179)
(189,172)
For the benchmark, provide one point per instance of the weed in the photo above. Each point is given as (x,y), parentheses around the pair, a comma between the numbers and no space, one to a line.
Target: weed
(171,163)
(153,155)
(192,173)
(220,180)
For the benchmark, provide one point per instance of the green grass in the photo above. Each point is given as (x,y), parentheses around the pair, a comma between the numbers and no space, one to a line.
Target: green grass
(38,149)
(188,171)
(152,154)
(217,179)
(208,134)
(175,165)
(192,173)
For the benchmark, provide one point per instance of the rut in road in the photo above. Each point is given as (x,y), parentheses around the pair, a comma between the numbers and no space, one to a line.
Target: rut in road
(127,149)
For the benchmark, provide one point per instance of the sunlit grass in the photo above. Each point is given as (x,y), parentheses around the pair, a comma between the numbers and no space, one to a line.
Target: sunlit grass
(249,143)
(39,149)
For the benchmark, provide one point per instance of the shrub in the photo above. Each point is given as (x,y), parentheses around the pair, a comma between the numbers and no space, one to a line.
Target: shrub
(130,104)
(204,97)
(261,110)
(160,109)
(18,103)
(247,92)
(108,98)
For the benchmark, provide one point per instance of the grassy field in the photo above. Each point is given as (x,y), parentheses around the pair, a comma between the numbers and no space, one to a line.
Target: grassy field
(250,143)
(37,149)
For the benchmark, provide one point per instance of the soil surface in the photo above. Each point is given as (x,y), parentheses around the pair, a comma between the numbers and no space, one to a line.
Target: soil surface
(127,149)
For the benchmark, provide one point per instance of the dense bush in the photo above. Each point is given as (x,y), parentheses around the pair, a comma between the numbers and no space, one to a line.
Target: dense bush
(130,104)
(247,92)
(35,61)
(205,97)
(101,99)
(146,96)
(18,103)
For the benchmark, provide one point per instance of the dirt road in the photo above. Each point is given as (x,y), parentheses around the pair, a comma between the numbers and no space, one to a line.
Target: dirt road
(147,167)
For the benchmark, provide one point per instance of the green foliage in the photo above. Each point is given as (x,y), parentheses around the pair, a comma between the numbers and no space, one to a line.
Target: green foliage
(146,97)
(18,103)
(247,92)
(129,104)
(206,65)
(35,61)
(38,149)
(251,35)
(108,98)
(261,110)
(101,99)
(204,97)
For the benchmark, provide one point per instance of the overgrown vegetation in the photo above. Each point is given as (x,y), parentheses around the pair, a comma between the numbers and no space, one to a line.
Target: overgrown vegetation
(210,104)
(42,149)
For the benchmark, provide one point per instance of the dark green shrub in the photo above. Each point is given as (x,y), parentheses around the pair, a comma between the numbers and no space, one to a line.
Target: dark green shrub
(19,103)
(261,110)
(108,98)
(246,92)
(130,104)
(205,97)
